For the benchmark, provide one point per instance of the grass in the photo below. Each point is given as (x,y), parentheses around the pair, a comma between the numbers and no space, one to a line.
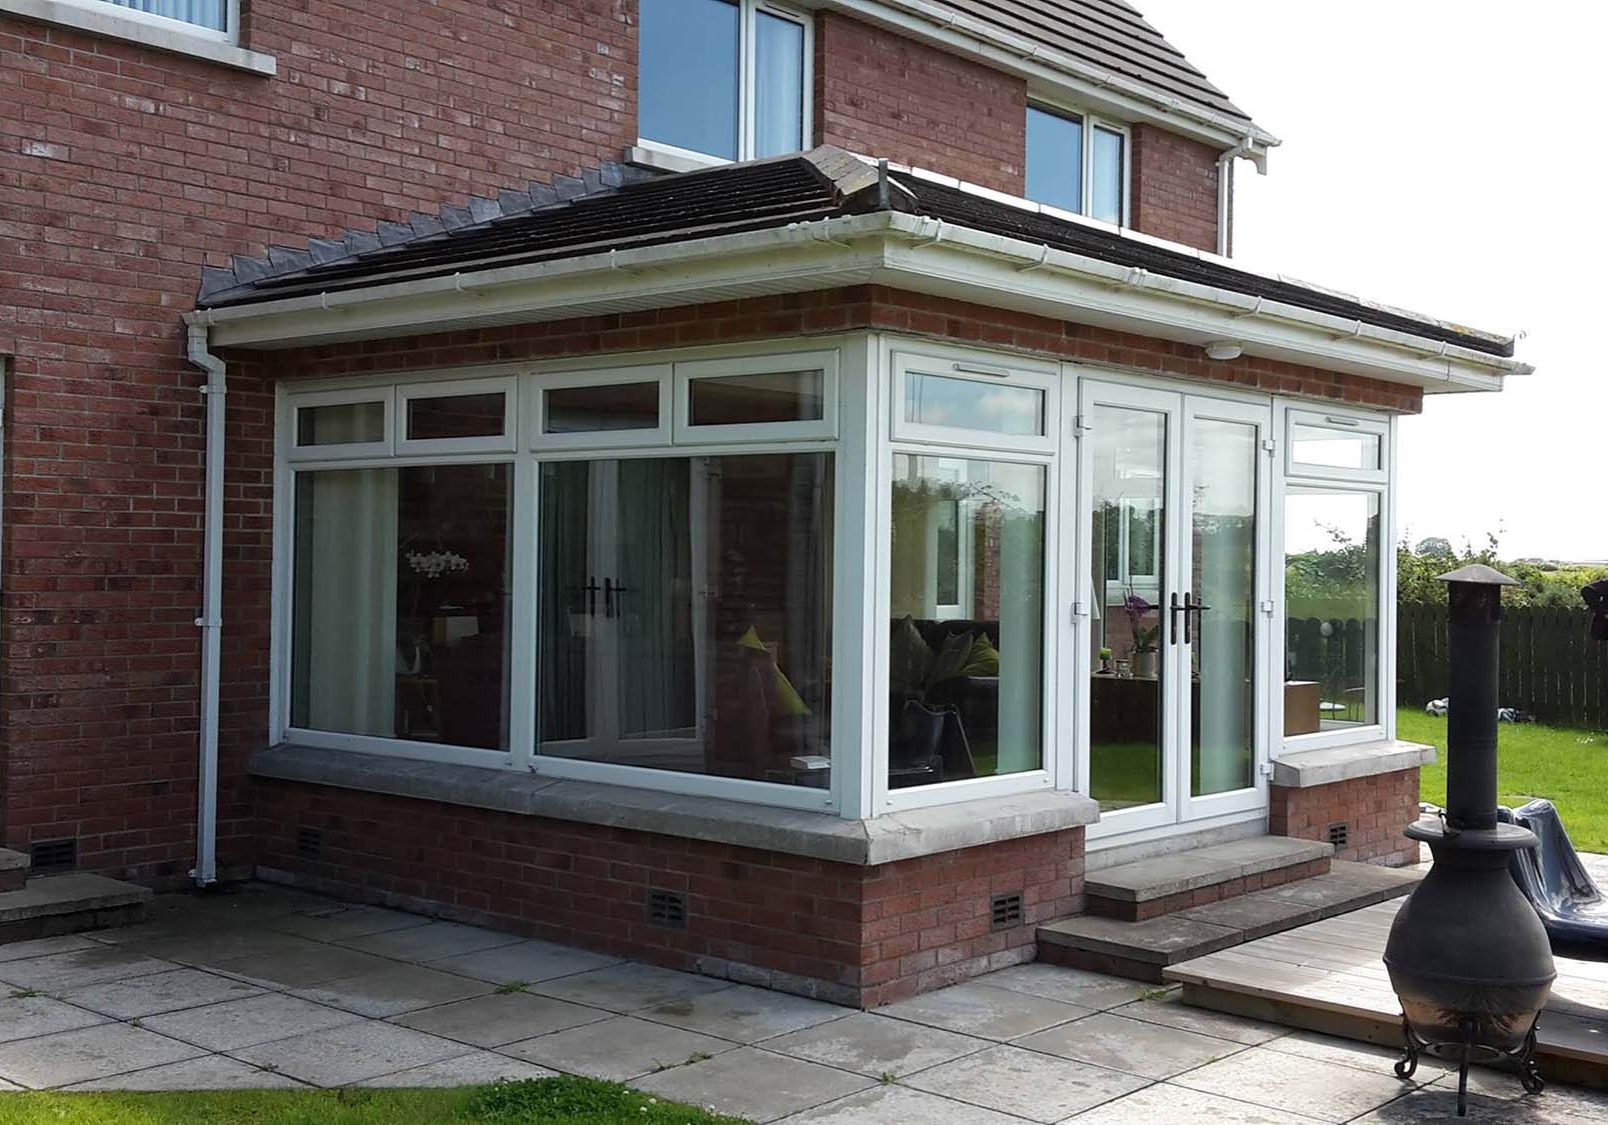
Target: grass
(1568,767)
(544,1101)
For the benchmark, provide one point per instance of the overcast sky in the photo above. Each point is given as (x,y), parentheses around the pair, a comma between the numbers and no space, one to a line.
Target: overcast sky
(1443,156)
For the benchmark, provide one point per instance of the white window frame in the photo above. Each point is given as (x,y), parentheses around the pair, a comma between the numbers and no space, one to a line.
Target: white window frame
(344,397)
(677,159)
(823,428)
(539,439)
(994,370)
(1342,423)
(1091,122)
(163,33)
(502,442)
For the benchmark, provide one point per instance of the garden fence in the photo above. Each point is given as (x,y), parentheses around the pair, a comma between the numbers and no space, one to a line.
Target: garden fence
(1550,666)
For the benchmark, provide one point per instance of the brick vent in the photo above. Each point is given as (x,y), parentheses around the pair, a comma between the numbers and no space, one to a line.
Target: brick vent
(1201,896)
(667,908)
(53,855)
(1339,835)
(1006,911)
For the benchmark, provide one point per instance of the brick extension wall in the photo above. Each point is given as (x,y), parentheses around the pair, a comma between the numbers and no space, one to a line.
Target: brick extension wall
(855,935)
(1374,809)
(1174,188)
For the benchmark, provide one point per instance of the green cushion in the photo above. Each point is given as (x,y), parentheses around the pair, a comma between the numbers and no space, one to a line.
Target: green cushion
(787,697)
(983,660)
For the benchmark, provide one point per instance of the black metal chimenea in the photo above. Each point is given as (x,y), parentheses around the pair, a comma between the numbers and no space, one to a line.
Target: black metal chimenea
(1467,955)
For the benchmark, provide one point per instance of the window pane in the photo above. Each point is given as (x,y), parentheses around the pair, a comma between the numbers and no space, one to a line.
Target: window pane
(1334,448)
(686,614)
(340,424)
(965,676)
(1331,596)
(775,396)
(1055,159)
(1106,204)
(687,77)
(778,85)
(401,602)
(613,406)
(203,13)
(456,416)
(966,404)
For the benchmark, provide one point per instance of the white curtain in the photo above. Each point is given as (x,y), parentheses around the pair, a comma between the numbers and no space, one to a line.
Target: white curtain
(203,13)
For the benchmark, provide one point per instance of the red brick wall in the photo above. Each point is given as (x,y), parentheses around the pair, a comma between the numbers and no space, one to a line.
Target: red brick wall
(884,96)
(1374,809)
(850,934)
(1174,189)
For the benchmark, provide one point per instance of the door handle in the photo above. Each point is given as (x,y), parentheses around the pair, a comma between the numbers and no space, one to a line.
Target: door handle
(613,598)
(1196,608)
(1173,613)
(591,596)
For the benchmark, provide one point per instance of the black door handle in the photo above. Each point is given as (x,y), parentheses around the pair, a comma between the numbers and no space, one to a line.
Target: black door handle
(1197,608)
(1173,616)
(613,596)
(591,596)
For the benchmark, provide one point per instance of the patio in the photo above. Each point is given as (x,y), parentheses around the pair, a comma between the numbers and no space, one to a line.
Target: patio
(269,987)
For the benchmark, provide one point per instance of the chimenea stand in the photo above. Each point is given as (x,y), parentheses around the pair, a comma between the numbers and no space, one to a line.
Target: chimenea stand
(1467,955)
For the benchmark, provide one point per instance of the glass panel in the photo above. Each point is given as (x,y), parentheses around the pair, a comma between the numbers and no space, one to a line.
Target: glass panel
(456,416)
(687,75)
(340,423)
(1055,159)
(401,603)
(1223,549)
(966,677)
(1334,448)
(1129,530)
(778,85)
(1331,605)
(1106,204)
(686,614)
(775,396)
(611,406)
(966,404)
(211,14)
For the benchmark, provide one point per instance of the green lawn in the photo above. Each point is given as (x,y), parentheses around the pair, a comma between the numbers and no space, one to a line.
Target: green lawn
(1568,767)
(546,1101)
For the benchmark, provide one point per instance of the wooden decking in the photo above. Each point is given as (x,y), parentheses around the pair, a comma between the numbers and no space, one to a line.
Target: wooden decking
(1329,977)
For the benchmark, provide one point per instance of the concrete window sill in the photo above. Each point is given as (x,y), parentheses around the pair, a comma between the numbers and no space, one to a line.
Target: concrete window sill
(1344,763)
(867,843)
(116,23)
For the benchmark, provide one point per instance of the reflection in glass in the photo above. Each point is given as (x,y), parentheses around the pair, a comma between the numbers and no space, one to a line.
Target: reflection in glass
(967,614)
(687,75)
(1331,605)
(1106,201)
(968,404)
(401,603)
(1055,159)
(1334,448)
(778,85)
(340,423)
(456,416)
(774,396)
(605,407)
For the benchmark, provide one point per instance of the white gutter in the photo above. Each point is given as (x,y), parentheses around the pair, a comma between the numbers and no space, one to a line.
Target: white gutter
(211,620)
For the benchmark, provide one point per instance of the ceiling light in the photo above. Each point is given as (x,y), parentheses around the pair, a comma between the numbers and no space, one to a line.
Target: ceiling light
(1223,349)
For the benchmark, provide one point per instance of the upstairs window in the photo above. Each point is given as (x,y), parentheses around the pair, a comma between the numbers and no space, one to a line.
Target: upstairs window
(728,79)
(206,15)
(1078,163)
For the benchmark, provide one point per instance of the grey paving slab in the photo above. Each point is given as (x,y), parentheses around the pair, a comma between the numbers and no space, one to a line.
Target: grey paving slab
(1170,1011)
(1164,1102)
(617,1049)
(743,1014)
(207,1072)
(465,1070)
(207,947)
(752,1083)
(1147,1049)
(23,1017)
(42,947)
(1025,1083)
(350,1053)
(491,1021)
(1254,915)
(341,921)
(899,1105)
(1571,1104)
(69,1057)
(395,989)
(148,995)
(628,987)
(79,967)
(1313,1087)
(526,961)
(875,1045)
(1160,941)
(305,965)
(1370,1057)
(244,1023)
(430,942)
(985,1011)
(1074,986)
(1435,1104)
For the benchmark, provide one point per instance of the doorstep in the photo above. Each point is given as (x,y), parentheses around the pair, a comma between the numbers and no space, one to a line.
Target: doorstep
(51,905)
(1149,888)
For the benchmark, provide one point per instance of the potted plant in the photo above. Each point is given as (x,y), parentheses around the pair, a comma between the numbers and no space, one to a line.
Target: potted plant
(1146,638)
(1105,661)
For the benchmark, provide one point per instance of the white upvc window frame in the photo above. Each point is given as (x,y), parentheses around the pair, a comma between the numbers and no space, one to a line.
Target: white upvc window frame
(992,370)
(502,442)
(163,33)
(1334,479)
(539,439)
(823,428)
(231,20)
(1091,122)
(350,396)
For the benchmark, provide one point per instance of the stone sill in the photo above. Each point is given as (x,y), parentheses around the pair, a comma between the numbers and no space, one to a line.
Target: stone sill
(866,843)
(1344,763)
(118,23)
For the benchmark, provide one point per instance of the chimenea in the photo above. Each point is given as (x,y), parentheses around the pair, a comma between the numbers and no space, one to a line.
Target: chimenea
(1467,955)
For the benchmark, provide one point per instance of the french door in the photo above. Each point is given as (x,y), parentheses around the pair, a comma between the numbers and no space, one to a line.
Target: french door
(1174,494)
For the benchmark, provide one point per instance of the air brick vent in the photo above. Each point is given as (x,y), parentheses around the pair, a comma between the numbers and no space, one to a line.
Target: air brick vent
(309,842)
(1340,835)
(53,855)
(667,909)
(1006,911)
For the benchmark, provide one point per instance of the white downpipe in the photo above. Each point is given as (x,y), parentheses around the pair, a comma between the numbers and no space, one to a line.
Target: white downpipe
(1225,191)
(211,620)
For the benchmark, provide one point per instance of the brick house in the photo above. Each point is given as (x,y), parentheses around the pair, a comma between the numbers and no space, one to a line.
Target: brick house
(781,490)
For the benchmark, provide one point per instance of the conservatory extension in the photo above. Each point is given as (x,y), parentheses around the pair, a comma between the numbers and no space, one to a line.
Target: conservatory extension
(746,567)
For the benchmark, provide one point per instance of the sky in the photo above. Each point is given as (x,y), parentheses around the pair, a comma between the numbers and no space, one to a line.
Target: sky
(1444,157)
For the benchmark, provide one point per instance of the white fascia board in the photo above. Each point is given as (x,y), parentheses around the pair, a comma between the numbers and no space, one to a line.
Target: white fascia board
(1095,88)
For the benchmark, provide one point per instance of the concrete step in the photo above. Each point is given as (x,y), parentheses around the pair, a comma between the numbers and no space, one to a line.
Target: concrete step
(68,904)
(13,870)
(1142,950)
(1150,888)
